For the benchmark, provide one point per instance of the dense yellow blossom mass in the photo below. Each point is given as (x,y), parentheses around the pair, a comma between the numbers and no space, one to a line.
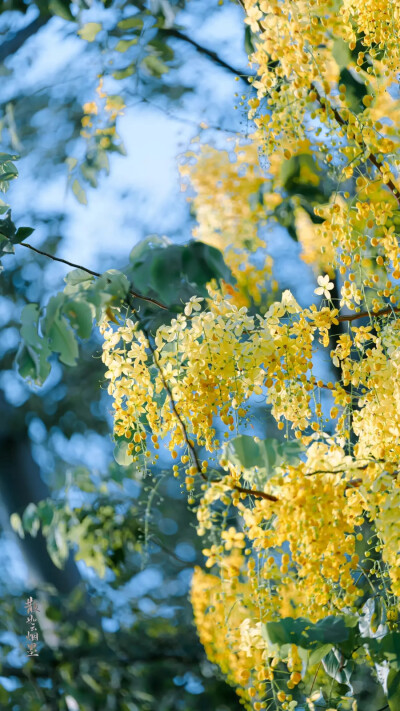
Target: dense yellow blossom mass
(305,537)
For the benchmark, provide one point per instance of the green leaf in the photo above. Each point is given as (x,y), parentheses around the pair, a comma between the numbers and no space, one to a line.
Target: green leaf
(16,525)
(373,616)
(34,351)
(7,227)
(90,31)
(115,283)
(6,247)
(5,157)
(78,276)
(248,453)
(123,45)
(386,648)
(27,364)
(316,656)
(341,53)
(61,337)
(71,163)
(248,41)
(8,171)
(164,51)
(123,73)
(338,667)
(166,288)
(189,267)
(80,315)
(390,647)
(79,192)
(29,322)
(121,454)
(355,90)
(130,23)
(22,233)
(62,9)
(56,544)
(90,174)
(62,341)
(8,176)
(108,290)
(306,634)
(45,513)
(141,249)
(30,519)
(202,263)
(154,66)
(393,690)
(300,175)
(3,207)
(92,683)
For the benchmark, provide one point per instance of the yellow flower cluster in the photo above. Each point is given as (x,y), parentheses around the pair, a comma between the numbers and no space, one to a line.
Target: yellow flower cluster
(99,117)
(230,211)
(296,553)
(379,408)
(213,361)
(293,50)
(227,186)
(378,21)
(301,50)
(383,510)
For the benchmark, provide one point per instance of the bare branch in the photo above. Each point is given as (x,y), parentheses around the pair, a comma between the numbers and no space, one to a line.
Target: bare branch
(364,314)
(12,45)
(176,34)
(90,271)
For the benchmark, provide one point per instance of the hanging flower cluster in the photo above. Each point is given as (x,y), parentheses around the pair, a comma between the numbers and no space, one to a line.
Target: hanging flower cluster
(230,211)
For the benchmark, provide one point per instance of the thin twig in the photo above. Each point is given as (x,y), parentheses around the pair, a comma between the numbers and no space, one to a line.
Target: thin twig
(253,492)
(363,314)
(11,46)
(341,319)
(315,677)
(176,34)
(90,271)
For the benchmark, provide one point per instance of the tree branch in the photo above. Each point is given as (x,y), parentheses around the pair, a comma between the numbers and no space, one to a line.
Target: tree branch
(90,271)
(176,34)
(155,302)
(251,492)
(12,45)
(363,314)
